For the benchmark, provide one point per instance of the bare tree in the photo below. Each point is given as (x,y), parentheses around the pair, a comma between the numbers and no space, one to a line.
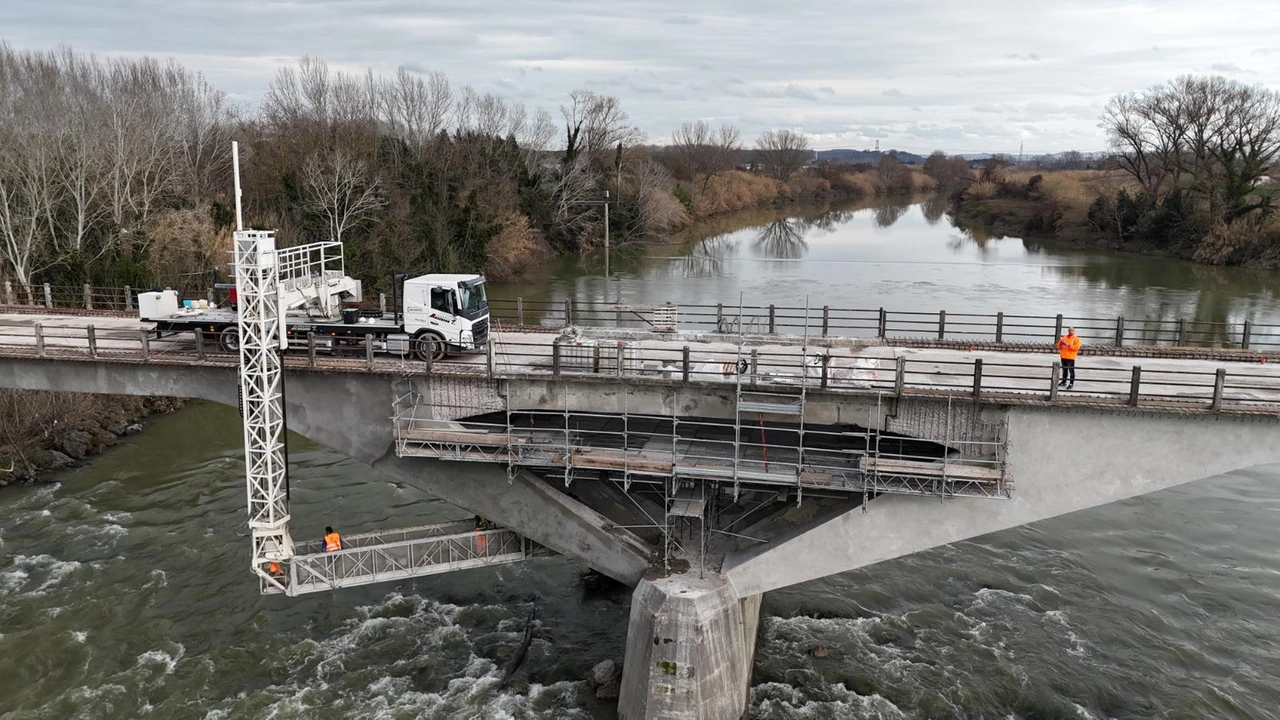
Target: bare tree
(781,153)
(1209,137)
(338,186)
(601,121)
(697,149)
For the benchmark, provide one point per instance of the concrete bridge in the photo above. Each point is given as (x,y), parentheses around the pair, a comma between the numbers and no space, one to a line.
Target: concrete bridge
(706,469)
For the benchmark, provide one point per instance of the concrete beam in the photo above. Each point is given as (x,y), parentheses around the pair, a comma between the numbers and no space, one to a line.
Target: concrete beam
(1060,462)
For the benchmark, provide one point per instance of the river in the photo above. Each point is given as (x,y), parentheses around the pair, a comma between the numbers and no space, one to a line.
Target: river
(124,592)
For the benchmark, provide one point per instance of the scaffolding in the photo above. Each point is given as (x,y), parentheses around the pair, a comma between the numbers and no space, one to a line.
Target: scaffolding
(641,447)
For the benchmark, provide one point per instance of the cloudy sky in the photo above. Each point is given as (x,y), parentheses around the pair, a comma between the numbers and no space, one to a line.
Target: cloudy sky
(973,76)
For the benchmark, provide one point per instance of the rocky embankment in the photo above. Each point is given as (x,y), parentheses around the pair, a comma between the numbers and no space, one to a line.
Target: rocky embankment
(43,432)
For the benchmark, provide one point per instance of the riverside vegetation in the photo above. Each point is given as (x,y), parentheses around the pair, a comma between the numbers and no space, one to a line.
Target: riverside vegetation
(1190,175)
(118,172)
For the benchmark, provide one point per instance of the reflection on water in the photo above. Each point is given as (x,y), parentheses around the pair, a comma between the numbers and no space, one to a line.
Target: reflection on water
(888,213)
(783,239)
(903,254)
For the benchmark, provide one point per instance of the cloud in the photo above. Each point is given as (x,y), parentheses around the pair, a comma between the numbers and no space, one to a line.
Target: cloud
(670,61)
(799,91)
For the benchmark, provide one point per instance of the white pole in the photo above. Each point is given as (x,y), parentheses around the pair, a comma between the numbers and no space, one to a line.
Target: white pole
(235,168)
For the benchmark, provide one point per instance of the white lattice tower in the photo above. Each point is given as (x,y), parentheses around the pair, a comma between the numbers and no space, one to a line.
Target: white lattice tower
(262,398)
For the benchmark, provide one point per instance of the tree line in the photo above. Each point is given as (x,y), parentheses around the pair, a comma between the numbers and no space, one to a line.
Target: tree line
(118,171)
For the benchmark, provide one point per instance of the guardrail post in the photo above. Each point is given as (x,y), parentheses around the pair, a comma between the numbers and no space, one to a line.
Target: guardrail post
(1182,332)
(595,358)
(622,353)
(977,378)
(755,364)
(311,349)
(685,359)
(88,297)
(882,325)
(555,359)
(1120,331)
(942,324)
(48,296)
(93,342)
(382,303)
(40,340)
(489,358)
(1054,378)
(1134,384)
(128,298)
(568,312)
(826,319)
(146,345)
(719,317)
(1000,327)
(1244,339)
(772,318)
(1219,382)
(200,344)
(520,310)
(430,340)
(900,376)
(8,292)
(368,352)
(1057,327)
(617,316)
(826,367)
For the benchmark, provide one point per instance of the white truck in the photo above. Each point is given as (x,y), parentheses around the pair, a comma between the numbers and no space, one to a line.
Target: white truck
(432,314)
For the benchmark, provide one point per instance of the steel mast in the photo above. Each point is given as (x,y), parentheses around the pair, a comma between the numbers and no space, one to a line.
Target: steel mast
(262,395)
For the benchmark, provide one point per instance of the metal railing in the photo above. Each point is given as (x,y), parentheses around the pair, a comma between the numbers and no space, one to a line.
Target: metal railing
(1168,385)
(400,554)
(889,324)
(766,320)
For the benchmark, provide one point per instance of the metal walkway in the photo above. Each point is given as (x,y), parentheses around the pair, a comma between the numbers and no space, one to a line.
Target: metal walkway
(399,555)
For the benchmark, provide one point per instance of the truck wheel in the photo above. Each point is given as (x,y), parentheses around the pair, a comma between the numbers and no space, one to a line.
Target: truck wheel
(429,346)
(229,340)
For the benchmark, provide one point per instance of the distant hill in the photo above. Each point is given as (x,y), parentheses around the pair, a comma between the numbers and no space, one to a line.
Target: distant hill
(864,157)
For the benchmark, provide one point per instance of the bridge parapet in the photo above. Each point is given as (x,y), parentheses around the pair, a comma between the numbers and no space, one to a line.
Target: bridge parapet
(841,366)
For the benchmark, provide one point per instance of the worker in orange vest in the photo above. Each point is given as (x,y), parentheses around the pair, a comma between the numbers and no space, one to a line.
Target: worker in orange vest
(1068,348)
(482,541)
(332,540)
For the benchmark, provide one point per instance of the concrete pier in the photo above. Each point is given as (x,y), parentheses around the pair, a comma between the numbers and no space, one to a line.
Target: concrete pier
(690,649)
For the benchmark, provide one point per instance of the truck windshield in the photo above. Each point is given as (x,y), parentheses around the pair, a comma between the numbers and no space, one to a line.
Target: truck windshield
(472,300)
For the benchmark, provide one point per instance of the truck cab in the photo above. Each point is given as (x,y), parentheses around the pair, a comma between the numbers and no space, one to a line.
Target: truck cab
(453,309)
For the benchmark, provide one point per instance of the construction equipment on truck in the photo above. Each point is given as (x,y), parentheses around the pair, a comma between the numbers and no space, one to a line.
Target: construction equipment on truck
(431,315)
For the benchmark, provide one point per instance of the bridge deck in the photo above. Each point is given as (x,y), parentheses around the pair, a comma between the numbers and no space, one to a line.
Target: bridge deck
(1168,384)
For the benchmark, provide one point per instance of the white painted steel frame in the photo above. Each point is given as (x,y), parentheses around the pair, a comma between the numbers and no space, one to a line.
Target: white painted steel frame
(262,402)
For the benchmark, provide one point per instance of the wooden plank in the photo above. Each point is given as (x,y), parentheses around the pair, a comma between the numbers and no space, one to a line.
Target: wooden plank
(464,437)
(923,469)
(606,459)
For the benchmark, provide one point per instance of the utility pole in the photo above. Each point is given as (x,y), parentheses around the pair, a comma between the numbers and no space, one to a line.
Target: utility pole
(606,232)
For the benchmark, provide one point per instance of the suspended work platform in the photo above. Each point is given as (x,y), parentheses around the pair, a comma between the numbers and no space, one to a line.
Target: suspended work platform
(399,555)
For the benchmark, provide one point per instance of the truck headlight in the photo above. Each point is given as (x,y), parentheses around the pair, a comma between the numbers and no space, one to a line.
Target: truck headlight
(467,338)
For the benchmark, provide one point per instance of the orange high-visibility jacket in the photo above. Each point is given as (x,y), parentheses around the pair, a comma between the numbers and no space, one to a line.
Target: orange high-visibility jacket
(1069,346)
(332,542)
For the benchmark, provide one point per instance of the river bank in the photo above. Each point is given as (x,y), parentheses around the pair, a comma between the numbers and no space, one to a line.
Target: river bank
(707,204)
(44,432)
(1102,210)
